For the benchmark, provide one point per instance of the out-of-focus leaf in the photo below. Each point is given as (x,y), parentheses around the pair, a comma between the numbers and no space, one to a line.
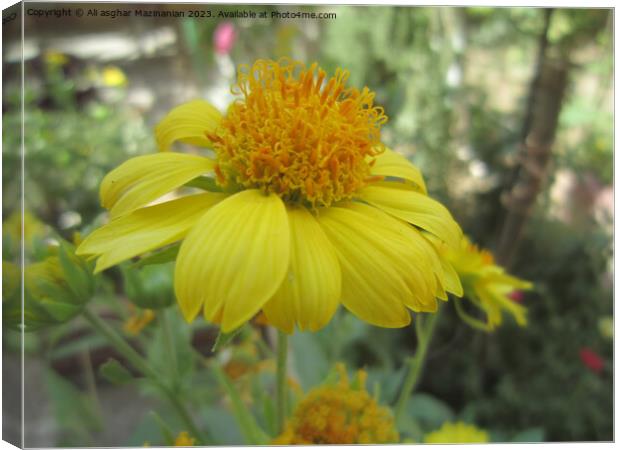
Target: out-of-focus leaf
(222,426)
(309,358)
(73,410)
(149,287)
(252,432)
(428,410)
(158,352)
(206,183)
(530,435)
(224,338)
(114,372)
(164,429)
(163,256)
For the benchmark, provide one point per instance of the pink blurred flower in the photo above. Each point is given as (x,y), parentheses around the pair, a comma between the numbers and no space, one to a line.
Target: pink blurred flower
(591,360)
(224,37)
(516,296)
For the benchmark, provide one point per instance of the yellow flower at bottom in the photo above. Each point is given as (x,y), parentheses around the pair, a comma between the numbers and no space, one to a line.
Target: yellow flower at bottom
(184,440)
(486,284)
(457,433)
(339,414)
(304,208)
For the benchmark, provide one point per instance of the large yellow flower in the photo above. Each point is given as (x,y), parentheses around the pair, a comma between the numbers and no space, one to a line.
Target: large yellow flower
(486,284)
(311,209)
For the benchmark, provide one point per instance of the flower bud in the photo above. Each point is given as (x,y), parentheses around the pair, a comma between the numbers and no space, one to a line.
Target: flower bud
(55,290)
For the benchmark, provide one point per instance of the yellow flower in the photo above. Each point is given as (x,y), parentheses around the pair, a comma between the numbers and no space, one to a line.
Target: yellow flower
(113,76)
(486,284)
(340,414)
(138,320)
(54,58)
(311,210)
(606,327)
(456,433)
(184,440)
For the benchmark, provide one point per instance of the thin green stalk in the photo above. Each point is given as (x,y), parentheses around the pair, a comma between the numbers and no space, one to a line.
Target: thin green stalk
(170,345)
(142,365)
(281,380)
(424,332)
(91,384)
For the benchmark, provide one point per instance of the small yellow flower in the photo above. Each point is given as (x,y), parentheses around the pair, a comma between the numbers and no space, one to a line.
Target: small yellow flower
(457,433)
(138,320)
(606,327)
(486,284)
(113,76)
(54,58)
(184,440)
(339,414)
(311,209)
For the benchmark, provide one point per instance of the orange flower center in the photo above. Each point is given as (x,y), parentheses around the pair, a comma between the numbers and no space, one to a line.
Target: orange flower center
(298,134)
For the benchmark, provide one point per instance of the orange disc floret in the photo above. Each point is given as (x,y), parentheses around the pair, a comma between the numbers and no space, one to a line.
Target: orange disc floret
(339,414)
(298,134)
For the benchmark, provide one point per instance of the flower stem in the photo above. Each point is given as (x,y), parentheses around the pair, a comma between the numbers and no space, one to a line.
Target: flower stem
(170,345)
(281,380)
(142,365)
(425,327)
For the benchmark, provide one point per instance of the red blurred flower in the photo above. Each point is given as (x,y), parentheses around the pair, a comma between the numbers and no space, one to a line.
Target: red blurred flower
(224,37)
(591,360)
(516,296)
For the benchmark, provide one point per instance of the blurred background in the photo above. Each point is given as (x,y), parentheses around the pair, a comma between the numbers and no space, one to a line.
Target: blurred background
(508,113)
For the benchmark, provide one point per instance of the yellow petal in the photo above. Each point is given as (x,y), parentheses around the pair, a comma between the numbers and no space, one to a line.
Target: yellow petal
(419,263)
(310,292)
(451,281)
(415,208)
(188,123)
(372,285)
(146,229)
(493,299)
(392,164)
(142,179)
(234,259)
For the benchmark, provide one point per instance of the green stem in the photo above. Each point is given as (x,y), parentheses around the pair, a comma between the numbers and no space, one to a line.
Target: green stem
(424,331)
(142,365)
(170,347)
(281,380)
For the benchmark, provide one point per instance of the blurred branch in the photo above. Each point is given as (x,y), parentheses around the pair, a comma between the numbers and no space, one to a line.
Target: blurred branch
(548,94)
(543,43)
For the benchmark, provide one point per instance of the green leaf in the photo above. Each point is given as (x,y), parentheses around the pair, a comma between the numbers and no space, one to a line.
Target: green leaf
(206,183)
(252,432)
(163,256)
(60,311)
(429,410)
(149,287)
(530,435)
(311,360)
(225,338)
(146,432)
(78,277)
(73,410)
(222,426)
(164,429)
(114,372)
